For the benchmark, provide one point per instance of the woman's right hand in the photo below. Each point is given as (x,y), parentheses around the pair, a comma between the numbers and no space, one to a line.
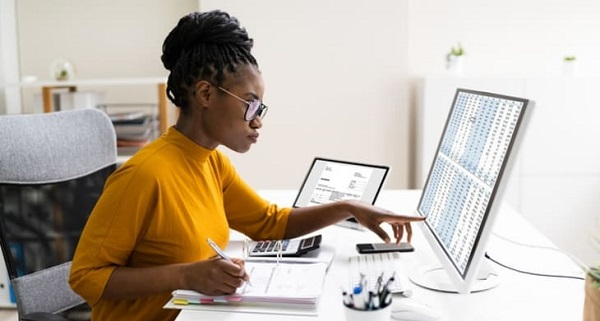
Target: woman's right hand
(215,276)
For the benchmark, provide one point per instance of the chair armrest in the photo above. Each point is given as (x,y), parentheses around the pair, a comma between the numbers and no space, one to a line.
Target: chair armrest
(42,316)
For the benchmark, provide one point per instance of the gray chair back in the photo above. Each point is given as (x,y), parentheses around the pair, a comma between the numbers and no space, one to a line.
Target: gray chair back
(50,148)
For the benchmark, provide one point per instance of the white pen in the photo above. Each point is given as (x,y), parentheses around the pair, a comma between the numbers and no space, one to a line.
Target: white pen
(222,254)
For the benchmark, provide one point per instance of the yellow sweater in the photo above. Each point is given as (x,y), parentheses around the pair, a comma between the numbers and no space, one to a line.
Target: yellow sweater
(158,209)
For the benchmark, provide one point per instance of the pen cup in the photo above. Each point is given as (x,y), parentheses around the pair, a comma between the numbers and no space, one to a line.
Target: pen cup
(383,314)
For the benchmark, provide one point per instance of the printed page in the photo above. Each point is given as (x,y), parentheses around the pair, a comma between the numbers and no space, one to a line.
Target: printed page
(293,283)
(340,182)
(284,280)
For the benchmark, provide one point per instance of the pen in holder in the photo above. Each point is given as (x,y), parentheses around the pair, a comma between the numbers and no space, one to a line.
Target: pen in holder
(245,250)
(364,303)
(279,248)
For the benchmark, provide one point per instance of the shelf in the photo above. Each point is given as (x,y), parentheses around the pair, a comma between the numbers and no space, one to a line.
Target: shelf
(96,82)
(49,86)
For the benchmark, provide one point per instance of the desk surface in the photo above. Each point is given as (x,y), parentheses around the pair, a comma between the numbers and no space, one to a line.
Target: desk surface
(518,297)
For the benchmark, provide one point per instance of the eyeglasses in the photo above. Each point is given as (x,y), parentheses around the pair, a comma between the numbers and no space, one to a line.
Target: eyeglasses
(255,107)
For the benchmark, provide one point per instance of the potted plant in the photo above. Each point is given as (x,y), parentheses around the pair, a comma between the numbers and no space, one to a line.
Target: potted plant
(569,67)
(591,306)
(61,70)
(455,59)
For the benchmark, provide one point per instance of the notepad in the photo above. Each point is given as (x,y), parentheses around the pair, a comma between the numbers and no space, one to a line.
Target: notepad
(284,288)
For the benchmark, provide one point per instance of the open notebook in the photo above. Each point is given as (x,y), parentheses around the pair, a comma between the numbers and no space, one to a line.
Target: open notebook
(284,288)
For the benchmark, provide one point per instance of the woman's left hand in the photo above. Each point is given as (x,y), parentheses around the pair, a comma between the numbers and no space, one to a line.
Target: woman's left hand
(371,217)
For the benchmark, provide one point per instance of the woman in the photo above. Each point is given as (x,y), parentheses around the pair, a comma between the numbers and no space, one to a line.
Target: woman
(147,234)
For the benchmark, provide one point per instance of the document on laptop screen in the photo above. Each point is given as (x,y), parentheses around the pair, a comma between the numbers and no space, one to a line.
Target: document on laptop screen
(339,182)
(332,180)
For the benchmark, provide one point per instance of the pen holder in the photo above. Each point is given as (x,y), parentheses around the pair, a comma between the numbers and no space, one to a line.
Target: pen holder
(383,314)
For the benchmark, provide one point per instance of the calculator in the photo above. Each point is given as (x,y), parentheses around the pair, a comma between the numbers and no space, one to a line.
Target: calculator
(288,247)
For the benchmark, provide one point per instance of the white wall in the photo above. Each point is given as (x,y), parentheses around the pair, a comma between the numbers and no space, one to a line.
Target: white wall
(103,39)
(339,74)
(353,54)
(335,83)
(523,38)
(10,96)
(325,57)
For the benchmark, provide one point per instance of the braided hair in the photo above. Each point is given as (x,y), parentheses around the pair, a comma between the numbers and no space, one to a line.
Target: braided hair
(203,46)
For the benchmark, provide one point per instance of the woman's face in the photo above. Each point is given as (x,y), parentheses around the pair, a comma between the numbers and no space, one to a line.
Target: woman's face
(224,120)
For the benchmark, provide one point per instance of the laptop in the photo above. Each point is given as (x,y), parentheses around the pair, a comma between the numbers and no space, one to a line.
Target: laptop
(330,180)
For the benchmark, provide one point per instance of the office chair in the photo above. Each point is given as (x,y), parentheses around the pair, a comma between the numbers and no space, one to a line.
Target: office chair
(52,170)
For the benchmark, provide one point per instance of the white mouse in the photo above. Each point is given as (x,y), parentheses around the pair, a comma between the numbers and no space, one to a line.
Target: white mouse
(411,310)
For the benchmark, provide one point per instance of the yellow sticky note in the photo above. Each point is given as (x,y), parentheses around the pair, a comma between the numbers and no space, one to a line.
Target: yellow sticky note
(180,301)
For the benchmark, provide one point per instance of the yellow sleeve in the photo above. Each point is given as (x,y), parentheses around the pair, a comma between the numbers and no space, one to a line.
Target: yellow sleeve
(246,211)
(109,237)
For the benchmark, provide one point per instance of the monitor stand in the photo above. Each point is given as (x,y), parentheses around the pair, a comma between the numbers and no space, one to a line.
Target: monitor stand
(434,277)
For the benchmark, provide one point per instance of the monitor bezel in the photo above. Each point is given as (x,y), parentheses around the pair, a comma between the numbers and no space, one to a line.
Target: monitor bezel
(463,281)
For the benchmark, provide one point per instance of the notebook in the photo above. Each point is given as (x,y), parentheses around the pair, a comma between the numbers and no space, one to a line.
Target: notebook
(274,288)
(330,180)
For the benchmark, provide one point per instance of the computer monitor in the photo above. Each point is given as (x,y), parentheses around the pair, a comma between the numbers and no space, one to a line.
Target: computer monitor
(463,190)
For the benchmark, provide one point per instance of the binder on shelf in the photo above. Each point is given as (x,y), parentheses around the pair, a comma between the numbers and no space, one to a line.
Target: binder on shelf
(136,124)
(134,130)
(127,117)
(131,143)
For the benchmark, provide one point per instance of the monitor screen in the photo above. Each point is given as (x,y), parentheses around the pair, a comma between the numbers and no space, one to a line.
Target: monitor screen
(331,180)
(463,186)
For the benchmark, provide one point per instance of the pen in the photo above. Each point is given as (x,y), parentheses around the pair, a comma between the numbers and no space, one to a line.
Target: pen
(357,296)
(379,283)
(347,299)
(222,254)
(385,296)
(279,251)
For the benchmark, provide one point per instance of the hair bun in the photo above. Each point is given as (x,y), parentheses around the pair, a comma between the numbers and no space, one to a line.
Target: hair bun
(203,28)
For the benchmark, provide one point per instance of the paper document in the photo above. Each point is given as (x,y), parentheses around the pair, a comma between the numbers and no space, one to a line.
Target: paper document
(289,283)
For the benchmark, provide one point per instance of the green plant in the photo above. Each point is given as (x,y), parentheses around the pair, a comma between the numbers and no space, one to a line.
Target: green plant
(594,271)
(455,52)
(569,58)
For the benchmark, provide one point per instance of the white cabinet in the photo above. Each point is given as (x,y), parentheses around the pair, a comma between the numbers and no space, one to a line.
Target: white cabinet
(556,179)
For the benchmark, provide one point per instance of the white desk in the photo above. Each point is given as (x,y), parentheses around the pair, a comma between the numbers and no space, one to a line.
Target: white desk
(518,297)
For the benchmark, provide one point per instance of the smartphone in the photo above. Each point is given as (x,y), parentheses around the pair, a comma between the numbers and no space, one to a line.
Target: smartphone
(364,248)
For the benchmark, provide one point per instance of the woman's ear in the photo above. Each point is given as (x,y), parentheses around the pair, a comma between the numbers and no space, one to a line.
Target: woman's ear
(202,93)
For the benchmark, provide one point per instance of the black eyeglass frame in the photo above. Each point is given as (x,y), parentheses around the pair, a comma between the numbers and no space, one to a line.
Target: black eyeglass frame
(261,109)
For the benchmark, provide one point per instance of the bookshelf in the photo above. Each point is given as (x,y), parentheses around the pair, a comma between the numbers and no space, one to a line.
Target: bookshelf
(48,87)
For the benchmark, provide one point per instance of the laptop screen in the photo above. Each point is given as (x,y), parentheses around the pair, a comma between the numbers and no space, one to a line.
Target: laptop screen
(331,180)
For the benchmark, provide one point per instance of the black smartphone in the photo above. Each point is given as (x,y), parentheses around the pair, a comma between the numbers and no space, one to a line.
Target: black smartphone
(365,248)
